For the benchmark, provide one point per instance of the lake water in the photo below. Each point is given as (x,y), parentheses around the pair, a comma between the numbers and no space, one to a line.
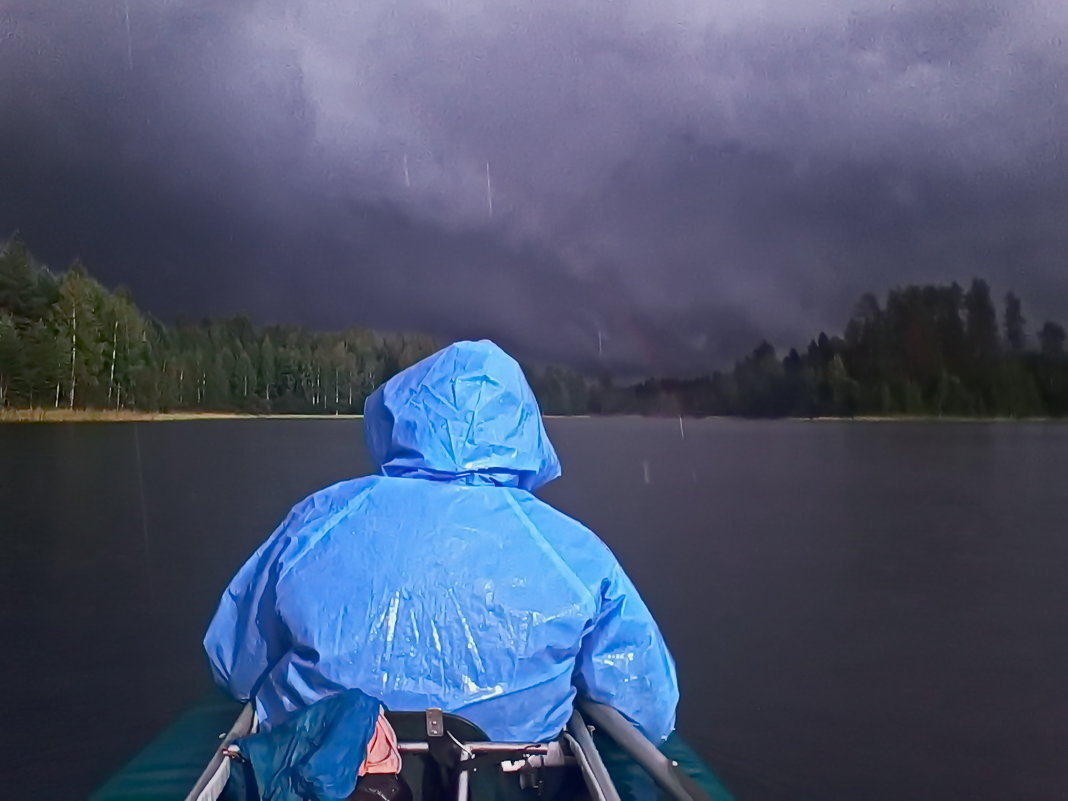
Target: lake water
(858,611)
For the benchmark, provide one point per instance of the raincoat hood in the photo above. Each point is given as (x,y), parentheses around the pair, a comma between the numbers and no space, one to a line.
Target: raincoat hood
(465,415)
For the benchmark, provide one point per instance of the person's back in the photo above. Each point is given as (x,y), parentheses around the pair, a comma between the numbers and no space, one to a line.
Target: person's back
(443,582)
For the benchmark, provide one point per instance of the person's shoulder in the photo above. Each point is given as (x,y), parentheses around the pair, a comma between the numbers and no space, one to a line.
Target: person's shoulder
(553,522)
(316,516)
(330,499)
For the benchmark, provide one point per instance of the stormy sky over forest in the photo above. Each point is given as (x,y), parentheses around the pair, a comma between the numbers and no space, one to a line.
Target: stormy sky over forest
(683,176)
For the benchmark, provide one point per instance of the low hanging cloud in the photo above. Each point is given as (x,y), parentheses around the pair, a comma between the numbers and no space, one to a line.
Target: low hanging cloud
(643,187)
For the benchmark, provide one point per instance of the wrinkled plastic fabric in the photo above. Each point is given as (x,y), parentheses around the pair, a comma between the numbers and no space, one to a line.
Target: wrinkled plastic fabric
(317,752)
(442,581)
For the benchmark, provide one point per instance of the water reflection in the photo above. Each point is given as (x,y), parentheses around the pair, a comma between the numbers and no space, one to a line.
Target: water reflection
(858,611)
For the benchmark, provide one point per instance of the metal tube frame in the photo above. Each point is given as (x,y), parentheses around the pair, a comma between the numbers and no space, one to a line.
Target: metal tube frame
(218,770)
(661,769)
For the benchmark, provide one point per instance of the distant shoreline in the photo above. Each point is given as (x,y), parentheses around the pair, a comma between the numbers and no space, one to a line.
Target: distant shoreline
(924,418)
(130,416)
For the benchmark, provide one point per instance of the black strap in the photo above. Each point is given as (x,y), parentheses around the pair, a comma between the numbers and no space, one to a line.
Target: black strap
(444,748)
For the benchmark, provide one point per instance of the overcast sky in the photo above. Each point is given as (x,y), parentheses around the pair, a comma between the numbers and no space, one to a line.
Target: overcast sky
(683,176)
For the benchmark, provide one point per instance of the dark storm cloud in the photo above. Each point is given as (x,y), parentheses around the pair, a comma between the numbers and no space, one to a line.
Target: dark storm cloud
(683,177)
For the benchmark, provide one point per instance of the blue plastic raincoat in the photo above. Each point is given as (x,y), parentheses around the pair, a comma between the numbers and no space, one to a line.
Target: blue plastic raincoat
(442,581)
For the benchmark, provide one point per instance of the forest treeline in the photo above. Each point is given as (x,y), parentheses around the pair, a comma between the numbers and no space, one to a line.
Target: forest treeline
(68,342)
(927,350)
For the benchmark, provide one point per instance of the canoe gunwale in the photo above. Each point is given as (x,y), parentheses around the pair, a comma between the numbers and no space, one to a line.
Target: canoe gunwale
(212,781)
(661,769)
(598,782)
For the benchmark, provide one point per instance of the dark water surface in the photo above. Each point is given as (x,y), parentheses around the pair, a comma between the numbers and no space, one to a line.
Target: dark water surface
(859,611)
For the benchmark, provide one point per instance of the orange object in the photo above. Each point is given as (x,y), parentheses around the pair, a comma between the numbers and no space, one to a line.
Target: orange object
(382,754)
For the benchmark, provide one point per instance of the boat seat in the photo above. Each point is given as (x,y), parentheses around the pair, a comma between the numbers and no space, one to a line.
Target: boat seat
(446,757)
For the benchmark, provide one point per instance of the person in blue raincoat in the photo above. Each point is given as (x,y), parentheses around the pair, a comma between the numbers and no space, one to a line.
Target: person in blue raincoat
(442,581)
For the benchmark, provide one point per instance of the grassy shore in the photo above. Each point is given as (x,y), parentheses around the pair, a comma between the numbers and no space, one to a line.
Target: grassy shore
(130,416)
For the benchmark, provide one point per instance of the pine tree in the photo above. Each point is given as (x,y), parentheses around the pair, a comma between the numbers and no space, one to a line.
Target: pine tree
(10,353)
(1015,324)
(267,371)
(1051,340)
